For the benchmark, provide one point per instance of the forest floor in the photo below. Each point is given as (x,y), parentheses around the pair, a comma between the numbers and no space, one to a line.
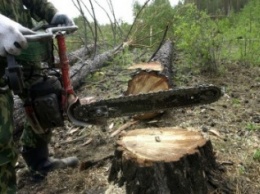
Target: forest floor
(232,124)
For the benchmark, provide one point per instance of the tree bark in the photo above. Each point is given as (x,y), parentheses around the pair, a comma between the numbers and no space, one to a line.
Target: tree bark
(77,74)
(163,161)
(80,54)
(79,71)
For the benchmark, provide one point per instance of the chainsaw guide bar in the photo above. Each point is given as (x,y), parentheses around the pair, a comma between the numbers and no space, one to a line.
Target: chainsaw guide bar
(141,103)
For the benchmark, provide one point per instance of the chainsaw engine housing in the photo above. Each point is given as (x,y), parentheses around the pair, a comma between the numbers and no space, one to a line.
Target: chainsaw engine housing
(44,107)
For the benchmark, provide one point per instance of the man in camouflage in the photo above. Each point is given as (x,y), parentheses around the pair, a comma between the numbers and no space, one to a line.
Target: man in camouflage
(14,15)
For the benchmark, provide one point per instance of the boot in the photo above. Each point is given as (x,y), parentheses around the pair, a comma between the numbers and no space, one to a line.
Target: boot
(37,159)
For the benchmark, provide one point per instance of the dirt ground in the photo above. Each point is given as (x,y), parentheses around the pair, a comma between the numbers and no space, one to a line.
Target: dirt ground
(232,124)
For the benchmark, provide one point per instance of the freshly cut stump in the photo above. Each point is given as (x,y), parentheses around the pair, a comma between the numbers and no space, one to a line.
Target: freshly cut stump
(162,161)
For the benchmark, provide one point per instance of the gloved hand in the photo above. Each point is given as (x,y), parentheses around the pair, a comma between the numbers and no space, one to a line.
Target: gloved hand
(12,40)
(60,19)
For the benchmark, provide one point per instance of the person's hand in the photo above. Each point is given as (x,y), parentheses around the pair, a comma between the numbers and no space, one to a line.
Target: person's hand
(60,19)
(12,40)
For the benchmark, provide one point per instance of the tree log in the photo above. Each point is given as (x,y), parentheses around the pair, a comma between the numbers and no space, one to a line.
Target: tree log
(162,161)
(78,72)
(153,76)
(80,54)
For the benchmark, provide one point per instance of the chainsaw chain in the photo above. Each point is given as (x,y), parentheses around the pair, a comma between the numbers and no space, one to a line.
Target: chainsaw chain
(147,102)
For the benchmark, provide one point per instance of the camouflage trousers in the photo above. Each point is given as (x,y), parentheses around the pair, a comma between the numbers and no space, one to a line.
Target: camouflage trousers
(8,152)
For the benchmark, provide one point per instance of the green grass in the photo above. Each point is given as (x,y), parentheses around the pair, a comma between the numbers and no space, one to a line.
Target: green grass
(252,127)
(256,155)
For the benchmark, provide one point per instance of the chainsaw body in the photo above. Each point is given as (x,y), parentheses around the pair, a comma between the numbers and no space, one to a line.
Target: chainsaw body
(46,101)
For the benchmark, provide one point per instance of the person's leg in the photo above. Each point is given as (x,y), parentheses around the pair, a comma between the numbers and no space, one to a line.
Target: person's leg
(36,153)
(8,154)
(35,147)
(8,178)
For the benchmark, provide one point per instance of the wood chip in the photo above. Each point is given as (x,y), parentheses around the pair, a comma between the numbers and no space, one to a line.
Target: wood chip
(111,126)
(87,142)
(215,132)
(123,127)
(73,130)
(74,140)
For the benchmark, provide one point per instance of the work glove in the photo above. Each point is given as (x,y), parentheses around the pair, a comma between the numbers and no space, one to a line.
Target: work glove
(12,38)
(60,19)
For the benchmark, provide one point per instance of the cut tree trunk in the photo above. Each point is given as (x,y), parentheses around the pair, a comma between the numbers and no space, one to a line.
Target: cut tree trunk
(163,161)
(78,72)
(153,76)
(80,54)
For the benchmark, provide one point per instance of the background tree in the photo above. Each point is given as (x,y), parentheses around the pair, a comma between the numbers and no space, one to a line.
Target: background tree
(214,7)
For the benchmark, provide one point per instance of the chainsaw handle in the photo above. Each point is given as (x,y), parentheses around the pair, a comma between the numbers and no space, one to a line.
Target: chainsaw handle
(67,29)
(50,32)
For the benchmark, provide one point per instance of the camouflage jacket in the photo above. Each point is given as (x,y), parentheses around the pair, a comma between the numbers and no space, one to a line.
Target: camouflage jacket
(23,11)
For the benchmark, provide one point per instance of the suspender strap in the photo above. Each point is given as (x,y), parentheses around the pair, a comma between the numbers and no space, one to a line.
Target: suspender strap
(14,75)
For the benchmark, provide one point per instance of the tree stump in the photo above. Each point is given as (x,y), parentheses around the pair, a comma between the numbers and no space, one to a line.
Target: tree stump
(162,161)
(152,76)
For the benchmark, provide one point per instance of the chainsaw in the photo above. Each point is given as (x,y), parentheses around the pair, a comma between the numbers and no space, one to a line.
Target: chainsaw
(70,106)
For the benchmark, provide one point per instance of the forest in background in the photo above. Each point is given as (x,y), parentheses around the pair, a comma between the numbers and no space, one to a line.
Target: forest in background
(219,7)
(207,35)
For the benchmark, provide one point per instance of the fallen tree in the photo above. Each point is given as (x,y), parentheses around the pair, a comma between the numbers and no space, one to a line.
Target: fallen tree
(153,76)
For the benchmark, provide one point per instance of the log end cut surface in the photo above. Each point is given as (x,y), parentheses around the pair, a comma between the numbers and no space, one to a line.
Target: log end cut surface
(145,82)
(163,145)
(154,65)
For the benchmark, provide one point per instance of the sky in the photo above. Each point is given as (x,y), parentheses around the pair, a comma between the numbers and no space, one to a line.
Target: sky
(122,8)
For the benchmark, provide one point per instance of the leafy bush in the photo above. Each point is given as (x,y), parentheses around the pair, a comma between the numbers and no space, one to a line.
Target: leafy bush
(197,36)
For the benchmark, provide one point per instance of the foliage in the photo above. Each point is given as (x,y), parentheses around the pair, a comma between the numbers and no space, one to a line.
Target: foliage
(216,7)
(197,36)
(206,43)
(123,59)
(209,42)
(152,23)
(256,155)
(244,34)
(252,127)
